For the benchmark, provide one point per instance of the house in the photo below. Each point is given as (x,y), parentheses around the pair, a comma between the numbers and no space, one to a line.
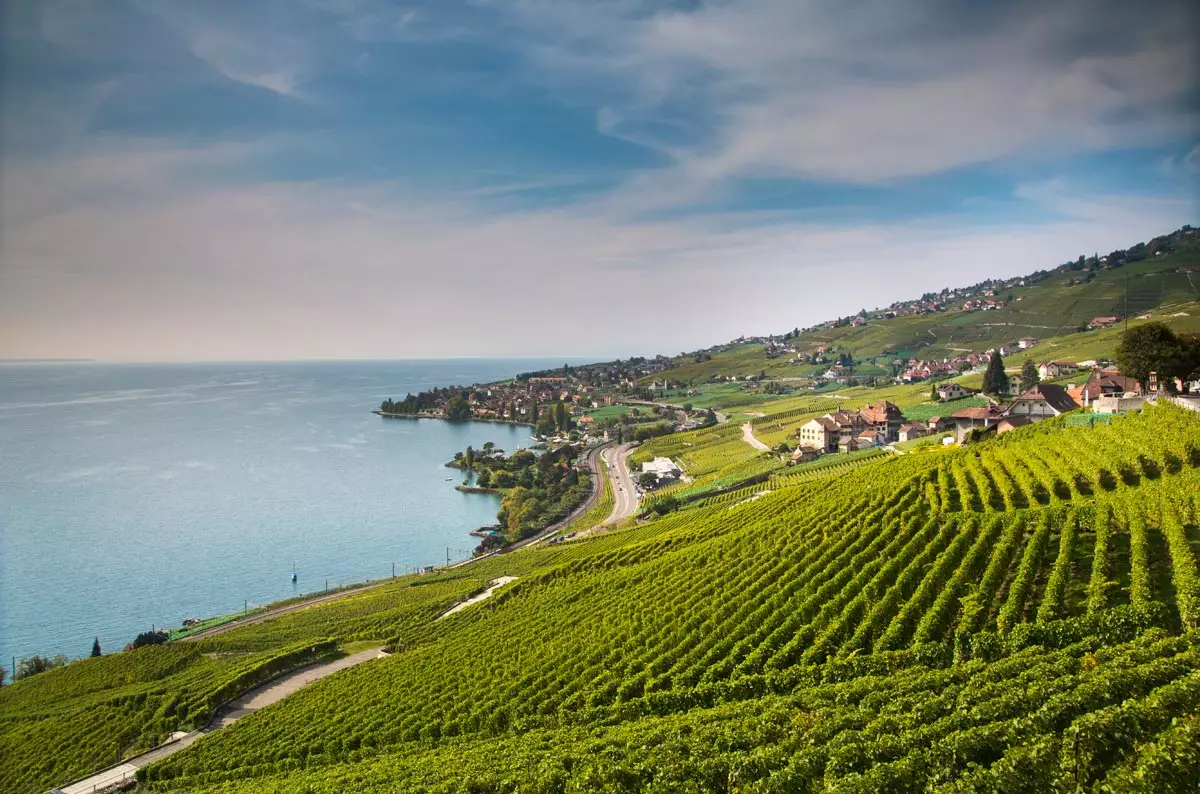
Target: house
(1012,423)
(968,419)
(1048,370)
(872,437)
(822,434)
(939,423)
(1117,404)
(803,454)
(911,430)
(586,422)
(1043,400)
(854,444)
(849,423)
(1102,322)
(1026,342)
(884,416)
(1107,383)
(952,391)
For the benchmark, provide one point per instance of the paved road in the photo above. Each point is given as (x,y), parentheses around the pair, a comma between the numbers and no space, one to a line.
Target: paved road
(271,692)
(748,437)
(625,498)
(274,613)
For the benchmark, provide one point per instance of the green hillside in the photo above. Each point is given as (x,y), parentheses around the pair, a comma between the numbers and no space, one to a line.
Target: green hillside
(1054,307)
(1016,615)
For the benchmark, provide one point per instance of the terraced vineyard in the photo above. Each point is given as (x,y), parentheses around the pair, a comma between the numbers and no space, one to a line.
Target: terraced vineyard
(1019,615)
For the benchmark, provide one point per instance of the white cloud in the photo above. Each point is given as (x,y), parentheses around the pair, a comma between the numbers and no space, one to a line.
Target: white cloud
(889,91)
(314,270)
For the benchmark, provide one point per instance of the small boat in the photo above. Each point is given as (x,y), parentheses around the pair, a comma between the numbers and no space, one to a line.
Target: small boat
(293,572)
(449,479)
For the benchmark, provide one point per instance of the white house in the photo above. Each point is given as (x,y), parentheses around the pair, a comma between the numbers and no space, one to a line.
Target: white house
(952,391)
(1026,342)
(1043,400)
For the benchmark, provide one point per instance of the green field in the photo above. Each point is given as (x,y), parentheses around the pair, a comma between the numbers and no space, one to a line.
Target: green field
(1016,615)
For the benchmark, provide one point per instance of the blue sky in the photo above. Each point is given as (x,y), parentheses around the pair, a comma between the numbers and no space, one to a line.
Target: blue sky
(351,178)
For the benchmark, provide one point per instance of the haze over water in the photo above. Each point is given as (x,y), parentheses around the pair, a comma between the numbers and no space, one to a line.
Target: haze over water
(140,495)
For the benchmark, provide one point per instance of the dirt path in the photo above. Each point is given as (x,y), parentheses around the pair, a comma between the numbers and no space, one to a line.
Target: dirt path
(496,585)
(261,696)
(748,437)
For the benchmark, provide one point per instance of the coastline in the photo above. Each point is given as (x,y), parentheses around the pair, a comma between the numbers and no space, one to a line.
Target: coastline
(386,415)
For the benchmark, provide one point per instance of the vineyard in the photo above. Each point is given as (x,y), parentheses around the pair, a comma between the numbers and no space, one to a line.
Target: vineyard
(1023,614)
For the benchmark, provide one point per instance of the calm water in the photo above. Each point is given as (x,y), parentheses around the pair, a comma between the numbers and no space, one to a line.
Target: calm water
(140,495)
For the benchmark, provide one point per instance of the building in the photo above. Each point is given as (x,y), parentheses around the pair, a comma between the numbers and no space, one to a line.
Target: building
(804,454)
(952,391)
(663,467)
(1048,370)
(939,423)
(911,430)
(1115,404)
(850,423)
(1026,342)
(1107,383)
(1102,322)
(1012,423)
(885,417)
(822,434)
(968,419)
(1043,400)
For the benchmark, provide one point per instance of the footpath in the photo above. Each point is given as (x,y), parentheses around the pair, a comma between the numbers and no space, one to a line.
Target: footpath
(249,702)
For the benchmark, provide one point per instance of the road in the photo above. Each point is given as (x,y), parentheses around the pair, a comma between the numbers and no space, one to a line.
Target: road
(625,498)
(274,613)
(748,437)
(261,696)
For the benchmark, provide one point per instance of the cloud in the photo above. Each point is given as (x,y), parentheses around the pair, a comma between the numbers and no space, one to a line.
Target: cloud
(890,91)
(315,270)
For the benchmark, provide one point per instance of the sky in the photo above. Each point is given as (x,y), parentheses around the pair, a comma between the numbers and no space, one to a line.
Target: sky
(219,180)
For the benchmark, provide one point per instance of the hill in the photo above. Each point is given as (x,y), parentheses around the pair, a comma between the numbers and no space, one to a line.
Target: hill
(1020,614)
(1046,305)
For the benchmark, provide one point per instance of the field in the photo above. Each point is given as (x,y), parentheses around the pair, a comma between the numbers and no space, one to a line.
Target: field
(1017,615)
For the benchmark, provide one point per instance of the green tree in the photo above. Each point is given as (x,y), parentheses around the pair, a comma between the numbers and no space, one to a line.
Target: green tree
(96,647)
(1029,375)
(484,478)
(995,382)
(38,664)
(933,393)
(648,480)
(1153,347)
(469,458)
(457,408)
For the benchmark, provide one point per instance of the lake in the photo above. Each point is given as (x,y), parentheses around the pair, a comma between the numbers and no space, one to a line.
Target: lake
(134,496)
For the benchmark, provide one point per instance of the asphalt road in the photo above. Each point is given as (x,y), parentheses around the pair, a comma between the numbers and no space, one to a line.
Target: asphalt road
(592,460)
(748,437)
(625,498)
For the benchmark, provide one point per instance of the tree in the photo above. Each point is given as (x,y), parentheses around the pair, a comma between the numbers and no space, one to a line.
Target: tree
(96,647)
(995,382)
(457,408)
(1029,375)
(1153,347)
(484,478)
(148,638)
(38,664)
(469,458)
(648,480)
(933,393)
(3,672)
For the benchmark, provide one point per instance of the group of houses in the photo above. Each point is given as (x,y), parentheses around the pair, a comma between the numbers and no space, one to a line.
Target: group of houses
(1105,391)
(848,431)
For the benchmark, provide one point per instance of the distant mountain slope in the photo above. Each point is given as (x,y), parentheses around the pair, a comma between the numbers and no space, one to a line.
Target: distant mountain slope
(1062,303)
